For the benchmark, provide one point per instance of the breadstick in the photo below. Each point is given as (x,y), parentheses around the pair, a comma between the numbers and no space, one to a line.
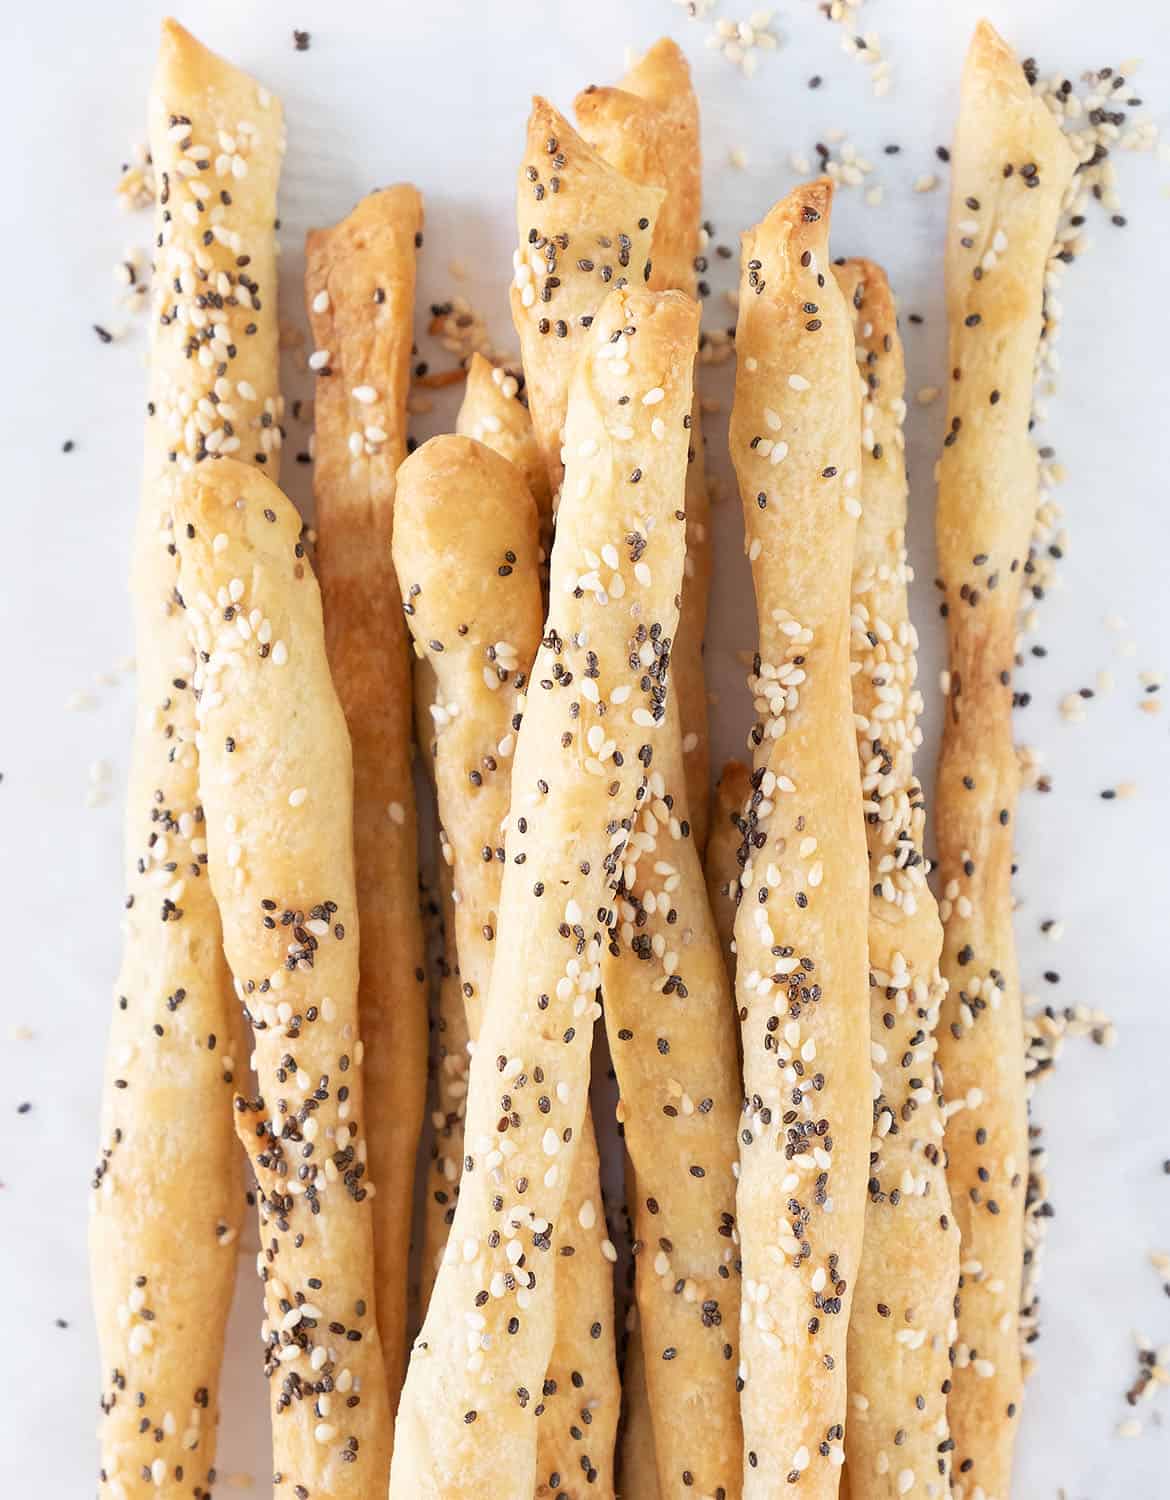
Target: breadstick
(582,1370)
(801,978)
(1010,168)
(683,1066)
(724,848)
(673,1041)
(493,412)
(359,288)
(902,1326)
(648,129)
(463,509)
(276,781)
(584,752)
(584,230)
(637,1460)
(168,1189)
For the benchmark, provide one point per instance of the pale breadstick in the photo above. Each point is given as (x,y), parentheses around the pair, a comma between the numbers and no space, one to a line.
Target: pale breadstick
(467,1417)
(465,511)
(168,1189)
(1010,168)
(801,979)
(679,1071)
(359,289)
(672,1037)
(648,129)
(493,412)
(277,784)
(583,230)
(637,1460)
(724,862)
(581,1389)
(902,1326)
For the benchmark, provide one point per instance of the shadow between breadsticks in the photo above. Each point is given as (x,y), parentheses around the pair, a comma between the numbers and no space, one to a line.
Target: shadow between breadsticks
(648,130)
(725,852)
(276,780)
(466,548)
(167,1198)
(359,291)
(902,1326)
(801,974)
(586,746)
(583,231)
(1010,168)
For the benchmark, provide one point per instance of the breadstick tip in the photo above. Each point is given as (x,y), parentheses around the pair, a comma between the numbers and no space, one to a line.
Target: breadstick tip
(796,224)
(866,287)
(225,493)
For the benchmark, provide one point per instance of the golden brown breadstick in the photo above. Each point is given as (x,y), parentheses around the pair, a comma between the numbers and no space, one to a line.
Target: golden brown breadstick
(902,1325)
(648,129)
(1010,168)
(724,849)
(276,781)
(466,547)
(584,230)
(359,288)
(801,979)
(586,746)
(168,1199)
(637,1461)
(494,412)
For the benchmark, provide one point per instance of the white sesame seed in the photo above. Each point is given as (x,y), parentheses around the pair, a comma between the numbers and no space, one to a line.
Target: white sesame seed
(297,796)
(321,301)
(366,394)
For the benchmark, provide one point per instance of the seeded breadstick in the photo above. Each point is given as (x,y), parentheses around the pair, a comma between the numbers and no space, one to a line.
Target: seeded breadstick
(493,412)
(669,1020)
(583,231)
(582,758)
(724,847)
(1010,168)
(801,979)
(359,288)
(648,129)
(673,1040)
(464,510)
(902,1325)
(168,1191)
(276,782)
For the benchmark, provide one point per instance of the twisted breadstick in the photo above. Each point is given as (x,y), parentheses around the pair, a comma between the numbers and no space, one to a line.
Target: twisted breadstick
(276,781)
(493,412)
(648,130)
(583,231)
(460,503)
(801,979)
(724,861)
(359,288)
(583,756)
(1010,169)
(902,1325)
(168,1200)
(581,1370)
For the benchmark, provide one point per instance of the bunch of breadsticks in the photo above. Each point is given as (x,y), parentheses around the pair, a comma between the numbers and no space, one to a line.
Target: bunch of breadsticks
(819,1065)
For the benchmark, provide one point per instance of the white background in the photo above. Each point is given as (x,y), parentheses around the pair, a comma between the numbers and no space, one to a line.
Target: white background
(437,91)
